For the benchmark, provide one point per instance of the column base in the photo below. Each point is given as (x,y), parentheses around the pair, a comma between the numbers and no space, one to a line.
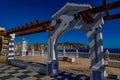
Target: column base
(97,73)
(8,61)
(52,68)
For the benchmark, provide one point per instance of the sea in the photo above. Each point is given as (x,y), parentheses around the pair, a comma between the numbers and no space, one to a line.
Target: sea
(111,50)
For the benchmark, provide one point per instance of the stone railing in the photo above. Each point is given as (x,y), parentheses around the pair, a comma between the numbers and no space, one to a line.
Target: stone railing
(73,54)
(112,56)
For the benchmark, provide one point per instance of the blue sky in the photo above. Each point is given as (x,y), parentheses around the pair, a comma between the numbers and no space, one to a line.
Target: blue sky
(14,13)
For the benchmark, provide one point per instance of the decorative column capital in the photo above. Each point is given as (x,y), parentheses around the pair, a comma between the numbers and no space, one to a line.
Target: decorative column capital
(12,36)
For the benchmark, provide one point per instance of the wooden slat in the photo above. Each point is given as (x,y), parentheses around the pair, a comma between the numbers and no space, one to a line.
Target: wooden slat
(39,27)
(102,8)
(35,27)
(107,11)
(23,27)
(35,30)
(116,16)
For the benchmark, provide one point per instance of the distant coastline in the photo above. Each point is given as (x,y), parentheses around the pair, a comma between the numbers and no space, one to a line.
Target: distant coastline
(68,46)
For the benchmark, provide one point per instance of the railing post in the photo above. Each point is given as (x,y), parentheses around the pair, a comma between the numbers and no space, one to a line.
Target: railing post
(77,53)
(64,52)
(107,55)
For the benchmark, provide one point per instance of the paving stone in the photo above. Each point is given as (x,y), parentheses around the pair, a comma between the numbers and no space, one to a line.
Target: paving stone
(14,78)
(30,78)
(8,72)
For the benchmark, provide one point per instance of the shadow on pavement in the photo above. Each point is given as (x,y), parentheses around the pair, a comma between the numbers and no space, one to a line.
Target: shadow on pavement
(71,76)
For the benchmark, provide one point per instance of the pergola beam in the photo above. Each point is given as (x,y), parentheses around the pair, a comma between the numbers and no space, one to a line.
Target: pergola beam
(33,27)
(116,16)
(35,30)
(107,11)
(101,8)
(38,26)
(24,27)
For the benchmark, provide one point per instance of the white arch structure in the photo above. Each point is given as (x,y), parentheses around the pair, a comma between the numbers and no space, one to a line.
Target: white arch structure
(92,31)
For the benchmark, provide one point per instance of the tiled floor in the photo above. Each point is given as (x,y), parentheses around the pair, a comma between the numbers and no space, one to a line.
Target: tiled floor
(8,72)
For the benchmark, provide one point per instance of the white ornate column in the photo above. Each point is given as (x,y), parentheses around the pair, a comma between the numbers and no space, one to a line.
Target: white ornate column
(52,64)
(24,45)
(97,68)
(10,54)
